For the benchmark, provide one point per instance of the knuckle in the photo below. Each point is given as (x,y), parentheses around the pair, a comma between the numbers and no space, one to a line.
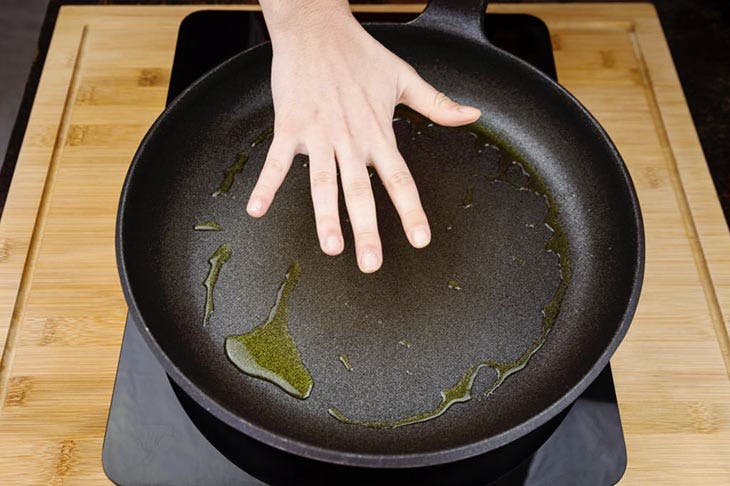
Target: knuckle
(263,193)
(264,188)
(440,99)
(359,189)
(366,235)
(326,221)
(401,178)
(414,216)
(408,75)
(276,166)
(322,178)
(409,70)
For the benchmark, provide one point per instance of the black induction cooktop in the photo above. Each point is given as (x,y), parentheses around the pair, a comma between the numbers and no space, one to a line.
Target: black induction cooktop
(157,435)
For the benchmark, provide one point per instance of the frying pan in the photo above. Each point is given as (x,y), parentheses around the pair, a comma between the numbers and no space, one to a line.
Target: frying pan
(408,331)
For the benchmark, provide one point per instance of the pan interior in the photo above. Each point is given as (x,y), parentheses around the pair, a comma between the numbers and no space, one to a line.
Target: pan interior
(406,333)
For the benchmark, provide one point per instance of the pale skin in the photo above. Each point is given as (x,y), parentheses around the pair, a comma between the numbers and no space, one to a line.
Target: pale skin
(335,89)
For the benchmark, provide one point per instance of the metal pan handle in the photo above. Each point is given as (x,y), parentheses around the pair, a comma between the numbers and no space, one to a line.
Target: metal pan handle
(463,18)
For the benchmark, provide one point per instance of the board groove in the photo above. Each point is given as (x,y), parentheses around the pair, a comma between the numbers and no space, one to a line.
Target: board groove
(8,350)
(690,227)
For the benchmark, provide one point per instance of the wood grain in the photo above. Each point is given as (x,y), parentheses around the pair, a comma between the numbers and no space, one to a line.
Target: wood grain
(104,82)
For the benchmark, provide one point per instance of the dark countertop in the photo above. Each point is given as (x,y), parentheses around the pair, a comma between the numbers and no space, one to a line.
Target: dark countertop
(698,34)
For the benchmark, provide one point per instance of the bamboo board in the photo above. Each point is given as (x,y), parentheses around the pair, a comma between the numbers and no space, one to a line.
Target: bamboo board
(105,81)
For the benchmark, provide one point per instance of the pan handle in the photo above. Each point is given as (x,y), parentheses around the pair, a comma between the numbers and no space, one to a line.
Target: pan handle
(463,18)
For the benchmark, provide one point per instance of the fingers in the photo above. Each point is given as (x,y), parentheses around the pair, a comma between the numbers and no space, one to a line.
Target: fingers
(323,182)
(277,164)
(427,100)
(361,208)
(401,187)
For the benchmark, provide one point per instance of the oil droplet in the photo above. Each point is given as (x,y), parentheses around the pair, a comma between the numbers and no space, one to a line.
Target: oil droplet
(345,360)
(208,226)
(268,351)
(405,343)
(216,261)
(262,136)
(453,284)
(468,198)
(230,174)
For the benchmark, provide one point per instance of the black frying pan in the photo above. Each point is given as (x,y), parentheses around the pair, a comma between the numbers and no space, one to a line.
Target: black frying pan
(536,156)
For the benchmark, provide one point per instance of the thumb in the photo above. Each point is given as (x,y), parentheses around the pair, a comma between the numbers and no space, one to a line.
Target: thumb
(430,102)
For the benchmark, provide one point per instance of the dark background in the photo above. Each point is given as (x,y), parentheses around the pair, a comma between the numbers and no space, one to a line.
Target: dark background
(698,33)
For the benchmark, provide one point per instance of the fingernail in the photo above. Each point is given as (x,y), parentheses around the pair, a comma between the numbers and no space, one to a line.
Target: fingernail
(420,237)
(469,110)
(254,206)
(370,261)
(332,243)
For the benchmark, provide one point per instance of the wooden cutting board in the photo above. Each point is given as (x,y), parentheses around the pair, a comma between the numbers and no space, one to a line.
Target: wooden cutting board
(105,81)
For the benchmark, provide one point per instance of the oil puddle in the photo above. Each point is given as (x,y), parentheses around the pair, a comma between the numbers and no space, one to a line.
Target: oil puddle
(216,261)
(261,137)
(268,351)
(208,226)
(230,173)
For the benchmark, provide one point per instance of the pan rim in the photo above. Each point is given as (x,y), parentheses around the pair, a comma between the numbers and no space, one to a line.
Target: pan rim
(371,460)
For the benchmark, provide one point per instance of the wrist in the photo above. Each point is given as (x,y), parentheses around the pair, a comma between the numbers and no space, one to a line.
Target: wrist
(288,19)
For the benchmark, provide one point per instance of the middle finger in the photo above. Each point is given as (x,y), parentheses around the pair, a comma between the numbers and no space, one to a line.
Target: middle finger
(361,208)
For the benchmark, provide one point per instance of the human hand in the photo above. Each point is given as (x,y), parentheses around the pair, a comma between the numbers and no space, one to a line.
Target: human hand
(335,89)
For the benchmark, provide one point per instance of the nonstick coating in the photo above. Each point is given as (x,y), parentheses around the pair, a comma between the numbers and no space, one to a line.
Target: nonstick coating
(337,310)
